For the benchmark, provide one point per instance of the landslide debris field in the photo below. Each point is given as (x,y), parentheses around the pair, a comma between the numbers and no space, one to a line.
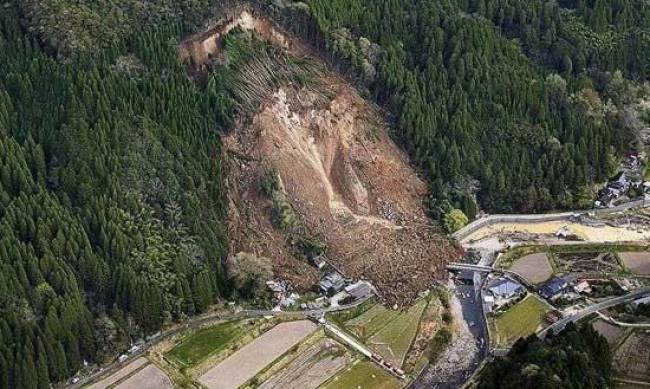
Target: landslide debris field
(312,171)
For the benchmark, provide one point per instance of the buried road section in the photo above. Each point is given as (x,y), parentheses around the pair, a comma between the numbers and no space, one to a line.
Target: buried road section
(243,365)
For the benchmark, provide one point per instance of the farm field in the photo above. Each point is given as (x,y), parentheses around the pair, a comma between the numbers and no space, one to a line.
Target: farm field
(363,375)
(120,374)
(244,364)
(535,268)
(394,339)
(207,341)
(631,357)
(638,262)
(371,321)
(519,321)
(151,377)
(311,368)
(587,261)
(610,331)
(340,317)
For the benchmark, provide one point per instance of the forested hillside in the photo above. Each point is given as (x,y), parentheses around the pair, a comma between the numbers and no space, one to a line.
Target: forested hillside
(480,112)
(579,357)
(111,211)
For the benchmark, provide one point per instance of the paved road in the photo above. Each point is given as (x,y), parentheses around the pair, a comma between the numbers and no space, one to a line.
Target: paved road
(622,324)
(198,322)
(560,324)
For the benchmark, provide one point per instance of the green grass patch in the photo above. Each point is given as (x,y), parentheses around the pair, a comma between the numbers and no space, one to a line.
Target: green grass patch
(196,347)
(519,321)
(364,375)
(394,339)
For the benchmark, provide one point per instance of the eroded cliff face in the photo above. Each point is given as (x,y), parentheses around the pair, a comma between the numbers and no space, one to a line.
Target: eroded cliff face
(348,182)
(199,48)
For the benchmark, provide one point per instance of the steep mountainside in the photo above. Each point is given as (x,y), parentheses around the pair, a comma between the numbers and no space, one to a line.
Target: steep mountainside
(345,185)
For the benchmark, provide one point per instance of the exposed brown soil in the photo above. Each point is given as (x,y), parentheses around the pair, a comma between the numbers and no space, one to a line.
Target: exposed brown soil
(200,47)
(350,185)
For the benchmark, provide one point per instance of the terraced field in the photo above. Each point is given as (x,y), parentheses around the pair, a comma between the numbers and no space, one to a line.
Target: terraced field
(394,339)
(205,342)
(363,375)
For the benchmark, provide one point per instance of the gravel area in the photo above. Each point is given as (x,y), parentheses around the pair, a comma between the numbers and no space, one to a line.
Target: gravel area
(457,362)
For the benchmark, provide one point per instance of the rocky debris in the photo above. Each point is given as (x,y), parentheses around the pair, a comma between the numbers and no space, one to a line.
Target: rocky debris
(348,183)
(457,361)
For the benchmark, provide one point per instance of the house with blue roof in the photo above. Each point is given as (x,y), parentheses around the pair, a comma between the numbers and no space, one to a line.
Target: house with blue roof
(553,288)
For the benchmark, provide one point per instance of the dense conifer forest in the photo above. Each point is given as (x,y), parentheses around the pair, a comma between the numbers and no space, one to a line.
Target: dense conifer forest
(111,205)
(496,98)
(578,357)
(112,200)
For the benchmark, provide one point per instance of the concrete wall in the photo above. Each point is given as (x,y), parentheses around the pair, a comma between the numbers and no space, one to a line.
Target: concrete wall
(541,218)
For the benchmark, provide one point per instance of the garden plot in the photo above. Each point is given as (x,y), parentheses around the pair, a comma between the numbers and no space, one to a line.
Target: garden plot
(151,377)
(519,321)
(247,362)
(535,268)
(631,358)
(601,262)
(637,262)
(610,331)
(311,368)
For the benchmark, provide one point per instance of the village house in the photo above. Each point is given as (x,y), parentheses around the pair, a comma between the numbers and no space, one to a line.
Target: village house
(331,283)
(504,290)
(554,288)
(582,287)
(359,290)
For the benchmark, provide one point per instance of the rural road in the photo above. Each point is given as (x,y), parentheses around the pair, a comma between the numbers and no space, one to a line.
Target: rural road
(622,324)
(560,324)
(197,322)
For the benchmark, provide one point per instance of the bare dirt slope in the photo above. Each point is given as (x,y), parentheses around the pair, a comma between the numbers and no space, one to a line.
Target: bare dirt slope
(348,182)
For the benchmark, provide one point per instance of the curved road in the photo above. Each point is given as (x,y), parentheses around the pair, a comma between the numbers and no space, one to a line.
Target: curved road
(560,324)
